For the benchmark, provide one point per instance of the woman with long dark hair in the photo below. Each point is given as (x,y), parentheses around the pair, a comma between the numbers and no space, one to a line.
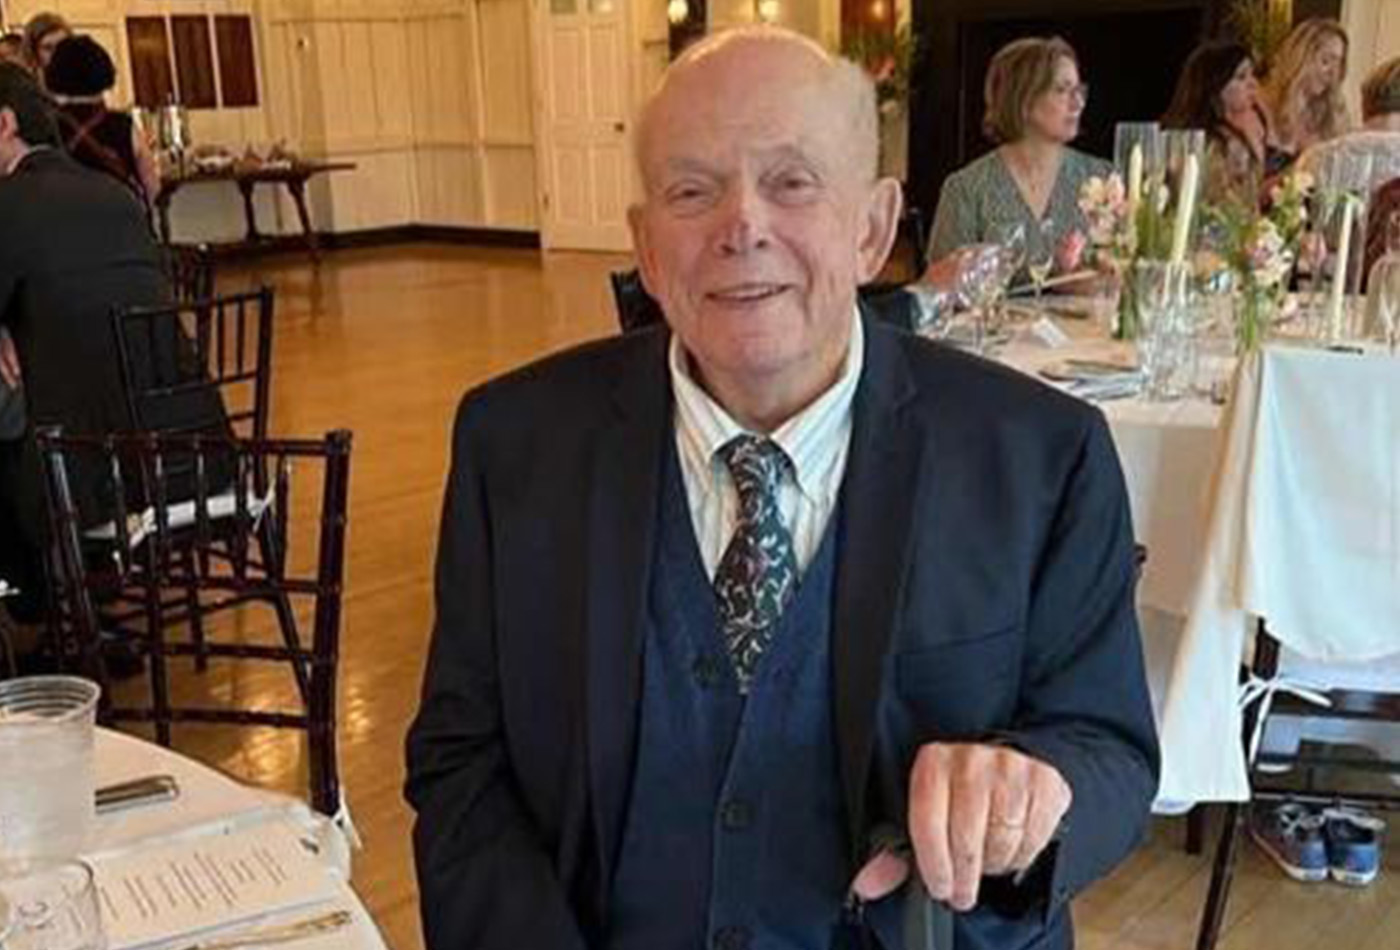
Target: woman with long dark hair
(1219,92)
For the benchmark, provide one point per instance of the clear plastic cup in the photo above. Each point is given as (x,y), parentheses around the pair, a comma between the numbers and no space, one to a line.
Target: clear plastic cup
(46,768)
(51,907)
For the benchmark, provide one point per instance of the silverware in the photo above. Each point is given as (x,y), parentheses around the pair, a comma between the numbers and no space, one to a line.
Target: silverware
(287,933)
(147,790)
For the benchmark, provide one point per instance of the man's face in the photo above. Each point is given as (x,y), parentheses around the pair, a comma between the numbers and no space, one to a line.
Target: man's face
(757,226)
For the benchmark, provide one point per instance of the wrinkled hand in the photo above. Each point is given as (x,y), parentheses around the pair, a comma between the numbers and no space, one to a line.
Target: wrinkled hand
(9,360)
(974,810)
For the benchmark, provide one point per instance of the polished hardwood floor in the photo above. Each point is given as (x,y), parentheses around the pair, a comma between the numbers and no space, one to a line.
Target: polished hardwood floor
(384,342)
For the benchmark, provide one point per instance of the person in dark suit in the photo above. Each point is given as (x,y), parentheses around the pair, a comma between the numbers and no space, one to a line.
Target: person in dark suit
(731,609)
(74,245)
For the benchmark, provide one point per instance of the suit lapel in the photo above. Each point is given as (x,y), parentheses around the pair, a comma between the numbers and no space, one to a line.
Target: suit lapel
(877,513)
(622,496)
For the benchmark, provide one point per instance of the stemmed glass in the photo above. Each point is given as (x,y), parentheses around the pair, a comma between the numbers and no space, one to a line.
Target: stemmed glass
(979,284)
(1040,262)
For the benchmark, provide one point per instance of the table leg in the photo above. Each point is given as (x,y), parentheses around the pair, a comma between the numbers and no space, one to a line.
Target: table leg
(249,214)
(298,192)
(163,215)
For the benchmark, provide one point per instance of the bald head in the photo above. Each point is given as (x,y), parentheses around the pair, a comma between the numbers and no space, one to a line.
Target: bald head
(731,66)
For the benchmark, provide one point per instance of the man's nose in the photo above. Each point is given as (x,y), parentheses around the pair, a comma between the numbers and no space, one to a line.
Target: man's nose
(743,225)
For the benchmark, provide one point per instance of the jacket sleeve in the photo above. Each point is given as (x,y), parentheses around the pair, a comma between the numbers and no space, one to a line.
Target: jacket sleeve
(1085,707)
(485,879)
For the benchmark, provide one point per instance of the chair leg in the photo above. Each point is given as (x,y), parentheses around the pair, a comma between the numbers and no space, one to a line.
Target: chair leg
(1196,830)
(201,655)
(1226,854)
(160,684)
(271,551)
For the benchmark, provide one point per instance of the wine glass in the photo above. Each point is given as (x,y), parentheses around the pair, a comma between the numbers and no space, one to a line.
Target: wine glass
(51,907)
(1040,262)
(978,285)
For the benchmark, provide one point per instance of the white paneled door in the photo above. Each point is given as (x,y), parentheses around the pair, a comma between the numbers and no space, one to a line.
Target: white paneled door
(585,108)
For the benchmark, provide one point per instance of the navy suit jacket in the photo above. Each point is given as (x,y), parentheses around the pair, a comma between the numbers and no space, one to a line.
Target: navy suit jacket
(984,591)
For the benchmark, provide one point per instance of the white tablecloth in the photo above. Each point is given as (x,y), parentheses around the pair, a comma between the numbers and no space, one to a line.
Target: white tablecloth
(1304,530)
(1290,512)
(210,802)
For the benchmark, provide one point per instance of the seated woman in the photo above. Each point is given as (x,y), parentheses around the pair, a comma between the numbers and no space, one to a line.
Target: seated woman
(78,76)
(1303,91)
(1034,100)
(1218,92)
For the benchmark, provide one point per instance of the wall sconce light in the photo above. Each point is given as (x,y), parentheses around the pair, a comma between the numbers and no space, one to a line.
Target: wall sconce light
(677,11)
(879,10)
(767,10)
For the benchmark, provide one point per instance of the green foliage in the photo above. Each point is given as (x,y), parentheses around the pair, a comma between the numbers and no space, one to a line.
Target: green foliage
(1262,25)
(887,57)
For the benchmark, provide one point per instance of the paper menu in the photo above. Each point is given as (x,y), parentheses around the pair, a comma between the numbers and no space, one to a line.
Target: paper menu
(188,887)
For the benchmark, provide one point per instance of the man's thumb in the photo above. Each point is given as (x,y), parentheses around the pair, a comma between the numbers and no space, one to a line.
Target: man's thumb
(881,876)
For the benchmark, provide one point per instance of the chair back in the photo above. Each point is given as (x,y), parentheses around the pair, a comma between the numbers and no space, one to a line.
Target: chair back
(227,545)
(200,365)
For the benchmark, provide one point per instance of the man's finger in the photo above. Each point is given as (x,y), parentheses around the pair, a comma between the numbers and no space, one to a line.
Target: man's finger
(881,876)
(1010,811)
(1050,799)
(928,821)
(970,806)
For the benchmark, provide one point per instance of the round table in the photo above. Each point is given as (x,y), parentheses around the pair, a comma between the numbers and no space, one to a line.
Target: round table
(211,803)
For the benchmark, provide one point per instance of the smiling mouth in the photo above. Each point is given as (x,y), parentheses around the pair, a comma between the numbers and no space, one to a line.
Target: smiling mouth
(747,293)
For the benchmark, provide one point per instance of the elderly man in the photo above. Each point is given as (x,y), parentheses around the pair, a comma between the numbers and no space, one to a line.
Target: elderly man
(725,607)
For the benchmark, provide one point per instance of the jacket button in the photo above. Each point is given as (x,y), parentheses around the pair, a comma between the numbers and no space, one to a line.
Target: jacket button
(706,671)
(732,938)
(735,815)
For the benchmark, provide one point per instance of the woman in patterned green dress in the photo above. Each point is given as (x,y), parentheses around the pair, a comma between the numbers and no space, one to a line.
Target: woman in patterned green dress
(1032,178)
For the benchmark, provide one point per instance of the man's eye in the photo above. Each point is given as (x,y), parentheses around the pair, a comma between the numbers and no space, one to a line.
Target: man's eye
(689,194)
(794,186)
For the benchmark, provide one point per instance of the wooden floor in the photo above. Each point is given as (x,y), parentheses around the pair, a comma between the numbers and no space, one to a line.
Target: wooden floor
(384,343)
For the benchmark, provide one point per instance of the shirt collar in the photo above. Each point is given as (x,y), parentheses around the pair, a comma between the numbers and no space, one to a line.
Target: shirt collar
(705,427)
(20,160)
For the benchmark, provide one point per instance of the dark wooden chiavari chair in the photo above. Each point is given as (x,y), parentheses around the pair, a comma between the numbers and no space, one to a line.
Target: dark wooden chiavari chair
(174,528)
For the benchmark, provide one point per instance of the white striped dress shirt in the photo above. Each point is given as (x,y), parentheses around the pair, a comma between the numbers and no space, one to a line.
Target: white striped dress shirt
(817,441)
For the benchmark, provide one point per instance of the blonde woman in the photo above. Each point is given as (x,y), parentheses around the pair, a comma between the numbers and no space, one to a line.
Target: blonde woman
(1303,91)
(1034,101)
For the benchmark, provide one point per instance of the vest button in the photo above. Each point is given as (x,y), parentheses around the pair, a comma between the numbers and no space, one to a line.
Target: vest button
(732,938)
(707,672)
(735,815)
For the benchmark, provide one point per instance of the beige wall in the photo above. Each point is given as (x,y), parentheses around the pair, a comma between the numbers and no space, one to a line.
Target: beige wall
(430,98)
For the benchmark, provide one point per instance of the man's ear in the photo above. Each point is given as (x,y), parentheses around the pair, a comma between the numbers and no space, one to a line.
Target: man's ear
(9,124)
(641,246)
(879,226)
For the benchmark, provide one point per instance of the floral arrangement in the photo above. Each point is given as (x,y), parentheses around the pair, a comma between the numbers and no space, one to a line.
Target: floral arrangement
(1120,234)
(1262,25)
(888,57)
(1259,249)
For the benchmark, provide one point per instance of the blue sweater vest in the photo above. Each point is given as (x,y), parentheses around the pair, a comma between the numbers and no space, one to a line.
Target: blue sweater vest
(735,836)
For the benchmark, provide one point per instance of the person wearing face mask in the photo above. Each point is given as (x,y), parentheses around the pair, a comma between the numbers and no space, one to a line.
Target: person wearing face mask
(1034,101)
(1303,90)
(1218,92)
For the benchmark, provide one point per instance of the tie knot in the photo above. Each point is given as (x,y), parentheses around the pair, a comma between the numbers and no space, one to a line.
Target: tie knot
(756,464)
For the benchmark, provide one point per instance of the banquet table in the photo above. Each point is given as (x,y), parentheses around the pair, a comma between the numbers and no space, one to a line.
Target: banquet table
(1229,513)
(211,803)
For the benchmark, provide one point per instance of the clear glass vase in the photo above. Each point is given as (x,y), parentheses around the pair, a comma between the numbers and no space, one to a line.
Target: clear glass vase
(1255,310)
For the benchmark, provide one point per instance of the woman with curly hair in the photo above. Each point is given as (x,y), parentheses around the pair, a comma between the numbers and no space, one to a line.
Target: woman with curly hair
(1303,91)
